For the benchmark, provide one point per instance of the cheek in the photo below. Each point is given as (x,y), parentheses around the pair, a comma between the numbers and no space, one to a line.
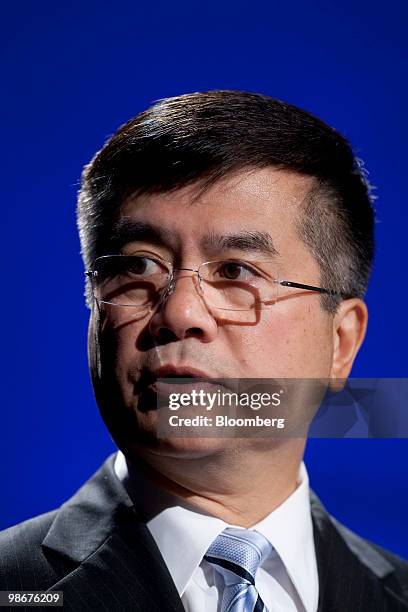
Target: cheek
(306,342)
(120,333)
(119,354)
(126,353)
(291,344)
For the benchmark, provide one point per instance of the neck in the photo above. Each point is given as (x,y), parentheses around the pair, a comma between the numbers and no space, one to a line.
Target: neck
(238,485)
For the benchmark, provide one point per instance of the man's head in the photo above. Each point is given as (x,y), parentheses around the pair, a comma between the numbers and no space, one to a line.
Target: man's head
(226,175)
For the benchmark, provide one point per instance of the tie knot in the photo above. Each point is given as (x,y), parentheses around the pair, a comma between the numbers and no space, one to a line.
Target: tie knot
(239,549)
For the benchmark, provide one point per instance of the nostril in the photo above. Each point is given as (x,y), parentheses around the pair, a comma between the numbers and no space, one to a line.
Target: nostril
(166,335)
(195,331)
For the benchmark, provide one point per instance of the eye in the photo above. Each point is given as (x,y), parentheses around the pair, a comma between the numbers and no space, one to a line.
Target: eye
(142,266)
(236,270)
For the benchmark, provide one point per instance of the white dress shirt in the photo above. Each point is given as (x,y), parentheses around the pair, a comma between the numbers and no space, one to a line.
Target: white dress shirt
(287,581)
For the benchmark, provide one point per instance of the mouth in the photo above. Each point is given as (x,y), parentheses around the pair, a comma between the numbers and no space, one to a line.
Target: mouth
(169,379)
(170,371)
(167,375)
(156,385)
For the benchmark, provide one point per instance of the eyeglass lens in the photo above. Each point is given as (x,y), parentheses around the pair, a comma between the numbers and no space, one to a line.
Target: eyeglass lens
(140,281)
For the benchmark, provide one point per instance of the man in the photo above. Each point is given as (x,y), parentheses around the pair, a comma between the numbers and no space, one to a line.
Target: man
(226,235)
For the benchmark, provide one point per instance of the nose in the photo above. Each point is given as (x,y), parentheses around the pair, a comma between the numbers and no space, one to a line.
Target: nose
(183,313)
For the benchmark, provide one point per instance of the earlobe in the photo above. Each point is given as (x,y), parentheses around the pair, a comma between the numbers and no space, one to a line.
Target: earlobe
(349,329)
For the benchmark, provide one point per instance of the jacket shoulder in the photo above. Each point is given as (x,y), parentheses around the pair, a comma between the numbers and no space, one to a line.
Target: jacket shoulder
(23,561)
(399,564)
(380,560)
(355,566)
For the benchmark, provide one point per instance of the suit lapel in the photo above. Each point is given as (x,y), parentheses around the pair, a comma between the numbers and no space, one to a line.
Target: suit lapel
(119,566)
(352,574)
(125,573)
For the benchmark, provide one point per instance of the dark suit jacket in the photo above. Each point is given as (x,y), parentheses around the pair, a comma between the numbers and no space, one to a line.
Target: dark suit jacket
(101,555)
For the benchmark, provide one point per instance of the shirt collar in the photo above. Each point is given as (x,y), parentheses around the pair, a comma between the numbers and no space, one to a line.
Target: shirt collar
(183,536)
(289,528)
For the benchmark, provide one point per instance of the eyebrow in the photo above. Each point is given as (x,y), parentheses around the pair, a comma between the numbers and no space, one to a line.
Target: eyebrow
(127,230)
(254,241)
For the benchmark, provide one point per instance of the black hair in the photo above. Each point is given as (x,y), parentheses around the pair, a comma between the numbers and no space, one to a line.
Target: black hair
(206,135)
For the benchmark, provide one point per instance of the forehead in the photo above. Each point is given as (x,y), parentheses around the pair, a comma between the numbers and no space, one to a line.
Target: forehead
(267,201)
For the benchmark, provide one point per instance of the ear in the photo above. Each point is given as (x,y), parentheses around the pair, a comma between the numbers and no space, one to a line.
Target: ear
(349,329)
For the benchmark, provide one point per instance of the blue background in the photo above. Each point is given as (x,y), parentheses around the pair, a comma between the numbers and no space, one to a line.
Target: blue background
(71,75)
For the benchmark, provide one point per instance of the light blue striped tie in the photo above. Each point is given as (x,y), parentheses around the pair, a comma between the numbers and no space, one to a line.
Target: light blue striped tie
(236,554)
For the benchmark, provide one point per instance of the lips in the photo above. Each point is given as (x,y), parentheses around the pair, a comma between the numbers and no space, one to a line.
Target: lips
(170,371)
(169,379)
(155,385)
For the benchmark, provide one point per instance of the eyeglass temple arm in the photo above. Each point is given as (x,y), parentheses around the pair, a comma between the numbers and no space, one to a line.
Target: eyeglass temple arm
(286,283)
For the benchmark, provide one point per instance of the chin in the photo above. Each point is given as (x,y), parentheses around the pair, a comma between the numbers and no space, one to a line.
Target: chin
(183,448)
